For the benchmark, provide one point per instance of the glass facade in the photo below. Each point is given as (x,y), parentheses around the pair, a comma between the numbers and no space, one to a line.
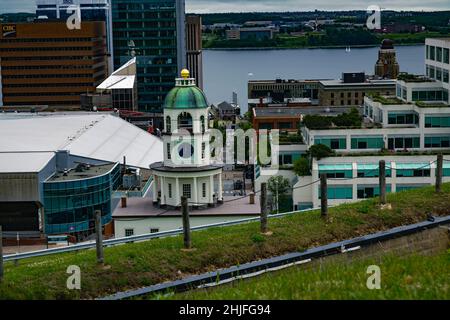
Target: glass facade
(413,170)
(331,142)
(371,171)
(437,121)
(403,143)
(366,192)
(367,142)
(437,141)
(403,118)
(336,170)
(69,206)
(430,95)
(147,29)
(339,192)
(405,187)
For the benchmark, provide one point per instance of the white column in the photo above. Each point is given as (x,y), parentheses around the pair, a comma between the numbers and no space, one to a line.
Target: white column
(211,189)
(163,200)
(155,188)
(220,197)
(177,192)
(194,191)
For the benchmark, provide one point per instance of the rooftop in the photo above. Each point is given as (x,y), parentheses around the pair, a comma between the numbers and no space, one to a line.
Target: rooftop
(143,207)
(297,112)
(80,173)
(340,83)
(95,135)
(24,162)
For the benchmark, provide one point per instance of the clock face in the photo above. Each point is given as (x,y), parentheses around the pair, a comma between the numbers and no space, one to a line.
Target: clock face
(186,150)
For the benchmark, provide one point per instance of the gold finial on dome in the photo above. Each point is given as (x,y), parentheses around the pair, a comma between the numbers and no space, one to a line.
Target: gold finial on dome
(185,74)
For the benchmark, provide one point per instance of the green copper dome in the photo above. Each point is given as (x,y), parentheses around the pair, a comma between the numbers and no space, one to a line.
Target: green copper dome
(185,97)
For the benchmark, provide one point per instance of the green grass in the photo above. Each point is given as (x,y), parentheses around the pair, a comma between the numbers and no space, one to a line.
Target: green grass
(132,266)
(412,277)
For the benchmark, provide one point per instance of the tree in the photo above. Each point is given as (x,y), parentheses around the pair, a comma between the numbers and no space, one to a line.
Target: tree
(320,151)
(301,167)
(278,186)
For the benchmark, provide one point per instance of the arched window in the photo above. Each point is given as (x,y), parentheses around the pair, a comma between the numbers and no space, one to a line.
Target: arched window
(202,124)
(168,125)
(185,121)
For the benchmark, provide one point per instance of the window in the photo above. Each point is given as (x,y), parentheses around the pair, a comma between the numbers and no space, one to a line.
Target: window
(187,191)
(168,125)
(204,190)
(169,153)
(203,150)
(339,192)
(365,192)
(439,54)
(437,142)
(129,232)
(403,143)
(367,142)
(170,190)
(437,122)
(154,230)
(446,56)
(432,52)
(202,124)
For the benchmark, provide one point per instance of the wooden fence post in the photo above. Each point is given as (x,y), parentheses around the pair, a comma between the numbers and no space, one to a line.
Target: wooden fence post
(99,236)
(382,181)
(323,195)
(186,223)
(263,202)
(439,172)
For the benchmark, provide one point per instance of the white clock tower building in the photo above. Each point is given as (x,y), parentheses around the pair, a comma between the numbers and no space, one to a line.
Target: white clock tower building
(186,169)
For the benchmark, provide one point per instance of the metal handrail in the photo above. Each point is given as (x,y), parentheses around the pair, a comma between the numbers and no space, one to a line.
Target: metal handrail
(136,238)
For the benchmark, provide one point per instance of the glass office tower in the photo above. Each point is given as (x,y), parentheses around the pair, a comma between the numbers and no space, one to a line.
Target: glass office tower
(153,31)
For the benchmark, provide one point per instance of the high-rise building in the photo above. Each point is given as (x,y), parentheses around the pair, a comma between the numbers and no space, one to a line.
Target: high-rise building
(153,31)
(437,63)
(194,55)
(387,65)
(45,63)
(90,10)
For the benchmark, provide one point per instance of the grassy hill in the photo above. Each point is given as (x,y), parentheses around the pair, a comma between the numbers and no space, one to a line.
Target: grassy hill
(132,266)
(413,277)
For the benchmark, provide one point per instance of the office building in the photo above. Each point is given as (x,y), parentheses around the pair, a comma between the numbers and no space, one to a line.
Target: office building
(258,34)
(437,62)
(406,129)
(194,53)
(153,31)
(387,66)
(90,10)
(45,63)
(56,169)
(351,89)
(279,90)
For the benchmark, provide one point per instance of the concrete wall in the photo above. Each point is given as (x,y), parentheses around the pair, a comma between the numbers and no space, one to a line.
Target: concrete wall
(428,242)
(143,226)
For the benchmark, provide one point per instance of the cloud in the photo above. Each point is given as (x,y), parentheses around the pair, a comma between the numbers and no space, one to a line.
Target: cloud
(208,6)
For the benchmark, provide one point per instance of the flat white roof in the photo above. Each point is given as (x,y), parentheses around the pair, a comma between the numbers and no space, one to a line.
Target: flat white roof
(117,82)
(101,136)
(26,162)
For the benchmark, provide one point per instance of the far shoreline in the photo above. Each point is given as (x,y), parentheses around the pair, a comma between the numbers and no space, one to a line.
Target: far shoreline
(311,47)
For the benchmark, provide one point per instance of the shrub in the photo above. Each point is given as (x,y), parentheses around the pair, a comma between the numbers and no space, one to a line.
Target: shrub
(301,167)
(320,151)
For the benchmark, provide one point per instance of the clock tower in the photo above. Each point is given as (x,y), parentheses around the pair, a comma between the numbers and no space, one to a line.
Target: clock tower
(186,169)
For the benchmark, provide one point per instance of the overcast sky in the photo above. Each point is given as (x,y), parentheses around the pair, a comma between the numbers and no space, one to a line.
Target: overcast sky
(206,6)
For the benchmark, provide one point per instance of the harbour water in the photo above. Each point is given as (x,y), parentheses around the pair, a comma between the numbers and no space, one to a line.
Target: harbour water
(226,71)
